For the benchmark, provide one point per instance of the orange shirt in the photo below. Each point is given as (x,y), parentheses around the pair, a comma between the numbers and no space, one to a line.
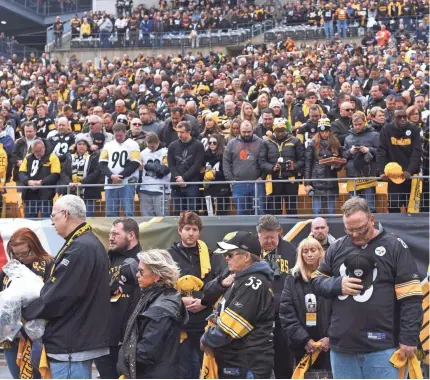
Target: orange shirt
(383,37)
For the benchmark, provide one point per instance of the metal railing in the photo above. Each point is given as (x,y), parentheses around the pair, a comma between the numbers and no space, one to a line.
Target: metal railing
(355,28)
(8,49)
(207,198)
(54,7)
(236,35)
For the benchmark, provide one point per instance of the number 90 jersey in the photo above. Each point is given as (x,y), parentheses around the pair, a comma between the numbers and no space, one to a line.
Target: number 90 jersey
(118,156)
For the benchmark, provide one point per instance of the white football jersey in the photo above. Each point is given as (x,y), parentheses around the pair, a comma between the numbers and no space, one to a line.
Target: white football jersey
(117,156)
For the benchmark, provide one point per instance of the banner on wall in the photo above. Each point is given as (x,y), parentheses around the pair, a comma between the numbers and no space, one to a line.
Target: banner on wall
(161,232)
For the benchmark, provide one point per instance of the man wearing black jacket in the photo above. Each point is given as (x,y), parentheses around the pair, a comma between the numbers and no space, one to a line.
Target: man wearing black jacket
(198,266)
(281,257)
(341,126)
(399,142)
(185,158)
(75,299)
(124,291)
(373,282)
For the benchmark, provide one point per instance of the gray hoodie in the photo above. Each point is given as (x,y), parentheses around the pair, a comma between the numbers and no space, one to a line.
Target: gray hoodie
(241,159)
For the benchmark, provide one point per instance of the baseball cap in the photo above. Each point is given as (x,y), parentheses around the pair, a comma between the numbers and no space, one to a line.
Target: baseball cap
(360,265)
(394,172)
(240,240)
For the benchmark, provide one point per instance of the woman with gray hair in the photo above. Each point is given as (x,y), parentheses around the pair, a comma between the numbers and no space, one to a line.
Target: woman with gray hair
(151,342)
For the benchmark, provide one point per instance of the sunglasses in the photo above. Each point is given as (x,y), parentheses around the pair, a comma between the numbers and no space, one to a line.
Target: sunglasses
(136,124)
(401,117)
(213,143)
(23,254)
(230,254)
(93,123)
(348,109)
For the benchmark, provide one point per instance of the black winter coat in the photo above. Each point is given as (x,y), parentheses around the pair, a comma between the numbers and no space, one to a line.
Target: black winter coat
(315,170)
(292,312)
(291,149)
(216,163)
(368,138)
(340,128)
(75,300)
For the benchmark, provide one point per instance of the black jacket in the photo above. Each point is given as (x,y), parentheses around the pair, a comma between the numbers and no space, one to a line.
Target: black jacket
(94,176)
(159,327)
(19,152)
(167,134)
(121,307)
(216,163)
(291,149)
(293,312)
(340,128)
(186,160)
(315,170)
(188,261)
(75,299)
(47,169)
(401,146)
(368,138)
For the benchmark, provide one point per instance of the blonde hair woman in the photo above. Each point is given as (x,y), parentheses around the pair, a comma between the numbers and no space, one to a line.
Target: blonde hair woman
(151,342)
(247,113)
(305,318)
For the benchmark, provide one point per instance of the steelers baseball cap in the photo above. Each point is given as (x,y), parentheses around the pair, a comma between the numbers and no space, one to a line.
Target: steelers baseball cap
(360,265)
(240,240)
(394,172)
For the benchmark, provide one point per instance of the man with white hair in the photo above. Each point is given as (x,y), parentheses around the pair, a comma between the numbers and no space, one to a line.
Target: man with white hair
(75,299)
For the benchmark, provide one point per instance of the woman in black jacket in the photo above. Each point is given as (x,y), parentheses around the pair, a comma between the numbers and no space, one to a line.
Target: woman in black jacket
(323,145)
(305,318)
(81,168)
(152,338)
(213,172)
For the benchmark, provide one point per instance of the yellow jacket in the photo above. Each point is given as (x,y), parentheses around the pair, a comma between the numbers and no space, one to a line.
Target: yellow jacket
(85,29)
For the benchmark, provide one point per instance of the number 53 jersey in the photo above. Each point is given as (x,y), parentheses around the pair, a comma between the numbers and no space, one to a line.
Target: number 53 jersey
(118,156)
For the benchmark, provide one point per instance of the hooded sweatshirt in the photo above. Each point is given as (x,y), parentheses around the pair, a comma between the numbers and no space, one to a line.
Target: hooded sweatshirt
(241,160)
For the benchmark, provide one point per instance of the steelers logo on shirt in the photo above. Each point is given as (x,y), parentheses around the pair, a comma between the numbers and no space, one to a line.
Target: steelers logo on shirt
(380,251)
(408,132)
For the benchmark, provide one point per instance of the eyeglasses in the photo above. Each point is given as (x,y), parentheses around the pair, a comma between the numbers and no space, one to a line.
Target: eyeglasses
(231,254)
(359,231)
(213,143)
(401,117)
(52,216)
(23,254)
(349,109)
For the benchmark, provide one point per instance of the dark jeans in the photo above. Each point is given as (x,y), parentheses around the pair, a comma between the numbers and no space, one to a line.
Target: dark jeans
(286,191)
(284,358)
(106,365)
(91,207)
(190,357)
(32,208)
(398,195)
(184,198)
(10,356)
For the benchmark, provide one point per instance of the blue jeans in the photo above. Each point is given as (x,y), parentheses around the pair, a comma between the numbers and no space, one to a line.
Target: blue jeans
(330,204)
(70,370)
(190,357)
(123,196)
(328,29)
(342,27)
(243,196)
(10,356)
(91,207)
(185,198)
(32,208)
(372,365)
(104,39)
(369,194)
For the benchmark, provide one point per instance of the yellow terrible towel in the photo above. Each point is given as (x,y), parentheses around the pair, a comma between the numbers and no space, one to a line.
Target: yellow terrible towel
(413,366)
(205,262)
(305,363)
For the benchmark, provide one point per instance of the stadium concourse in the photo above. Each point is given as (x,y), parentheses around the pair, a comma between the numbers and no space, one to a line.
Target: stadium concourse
(102,156)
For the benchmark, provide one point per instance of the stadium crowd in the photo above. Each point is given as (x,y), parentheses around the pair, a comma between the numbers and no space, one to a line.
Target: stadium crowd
(272,113)
(252,307)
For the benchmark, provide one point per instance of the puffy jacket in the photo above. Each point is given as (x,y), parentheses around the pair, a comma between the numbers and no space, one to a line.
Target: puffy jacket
(315,170)
(368,138)
(216,163)
(292,312)
(75,298)
(291,149)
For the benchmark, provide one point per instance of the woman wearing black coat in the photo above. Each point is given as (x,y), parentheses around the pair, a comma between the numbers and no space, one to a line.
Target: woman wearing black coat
(152,337)
(305,318)
(81,168)
(323,145)
(214,172)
